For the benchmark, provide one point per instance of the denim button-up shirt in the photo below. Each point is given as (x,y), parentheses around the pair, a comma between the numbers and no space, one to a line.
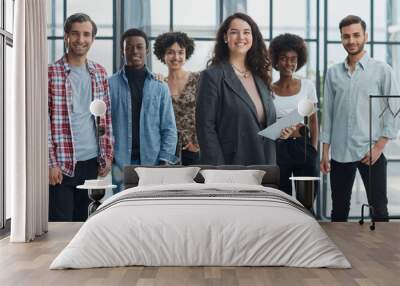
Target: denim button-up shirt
(158,133)
(345,123)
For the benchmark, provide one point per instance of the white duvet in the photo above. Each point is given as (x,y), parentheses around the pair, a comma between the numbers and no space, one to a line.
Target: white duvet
(219,231)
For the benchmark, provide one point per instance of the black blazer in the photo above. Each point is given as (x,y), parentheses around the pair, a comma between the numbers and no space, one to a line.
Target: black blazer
(226,120)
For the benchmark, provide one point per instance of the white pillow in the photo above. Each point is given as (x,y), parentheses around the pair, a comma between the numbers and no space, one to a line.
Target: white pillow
(248,177)
(164,176)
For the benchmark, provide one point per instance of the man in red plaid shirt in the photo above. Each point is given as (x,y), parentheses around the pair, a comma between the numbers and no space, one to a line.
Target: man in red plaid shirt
(75,154)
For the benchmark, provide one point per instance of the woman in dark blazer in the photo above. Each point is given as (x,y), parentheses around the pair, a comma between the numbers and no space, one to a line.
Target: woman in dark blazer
(234,101)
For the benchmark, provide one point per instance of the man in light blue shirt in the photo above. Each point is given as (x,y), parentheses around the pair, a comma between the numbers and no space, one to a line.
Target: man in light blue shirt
(143,118)
(345,128)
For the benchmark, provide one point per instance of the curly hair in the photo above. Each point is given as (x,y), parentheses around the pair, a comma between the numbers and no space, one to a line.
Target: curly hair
(286,43)
(257,58)
(166,40)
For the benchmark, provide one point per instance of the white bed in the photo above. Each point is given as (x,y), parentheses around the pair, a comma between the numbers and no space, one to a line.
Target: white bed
(222,225)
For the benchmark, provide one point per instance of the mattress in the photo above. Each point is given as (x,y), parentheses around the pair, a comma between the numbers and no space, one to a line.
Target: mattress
(201,225)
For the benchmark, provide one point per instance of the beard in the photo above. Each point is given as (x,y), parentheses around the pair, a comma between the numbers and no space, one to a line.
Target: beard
(358,51)
(82,51)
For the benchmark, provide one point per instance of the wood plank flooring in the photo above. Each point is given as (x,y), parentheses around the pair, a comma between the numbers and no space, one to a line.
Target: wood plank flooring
(374,255)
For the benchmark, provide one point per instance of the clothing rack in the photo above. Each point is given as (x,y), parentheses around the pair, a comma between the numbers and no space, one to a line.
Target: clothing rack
(370,195)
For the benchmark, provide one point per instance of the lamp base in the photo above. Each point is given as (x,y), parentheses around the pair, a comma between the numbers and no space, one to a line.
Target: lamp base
(95,195)
(305,190)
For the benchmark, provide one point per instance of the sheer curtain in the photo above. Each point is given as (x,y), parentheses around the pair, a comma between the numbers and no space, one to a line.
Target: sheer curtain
(233,6)
(137,14)
(26,123)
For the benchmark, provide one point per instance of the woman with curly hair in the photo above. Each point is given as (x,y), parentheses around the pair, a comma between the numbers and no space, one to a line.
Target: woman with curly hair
(173,49)
(234,101)
(289,54)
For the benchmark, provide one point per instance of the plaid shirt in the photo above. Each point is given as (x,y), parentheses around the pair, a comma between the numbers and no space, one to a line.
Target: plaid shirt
(60,140)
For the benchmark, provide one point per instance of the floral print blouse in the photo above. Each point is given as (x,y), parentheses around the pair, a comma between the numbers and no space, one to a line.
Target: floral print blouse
(185,109)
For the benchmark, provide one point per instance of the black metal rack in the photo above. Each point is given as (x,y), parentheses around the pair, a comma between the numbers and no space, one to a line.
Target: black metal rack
(370,195)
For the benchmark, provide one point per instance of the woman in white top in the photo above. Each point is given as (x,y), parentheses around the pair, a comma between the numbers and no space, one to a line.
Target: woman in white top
(289,54)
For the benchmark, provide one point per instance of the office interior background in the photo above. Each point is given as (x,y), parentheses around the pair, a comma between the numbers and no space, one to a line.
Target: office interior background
(315,20)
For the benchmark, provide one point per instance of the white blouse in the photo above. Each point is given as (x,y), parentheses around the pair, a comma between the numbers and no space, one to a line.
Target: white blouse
(286,104)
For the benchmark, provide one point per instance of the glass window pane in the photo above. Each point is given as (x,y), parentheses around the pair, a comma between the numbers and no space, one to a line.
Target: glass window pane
(259,11)
(56,50)
(390,54)
(102,53)
(55,20)
(137,14)
(7,82)
(201,55)
(387,20)
(9,15)
(2,136)
(393,178)
(159,16)
(197,18)
(101,12)
(296,17)
(338,9)
(310,68)
(1,19)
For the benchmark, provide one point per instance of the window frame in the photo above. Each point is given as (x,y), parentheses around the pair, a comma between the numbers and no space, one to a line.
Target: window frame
(98,38)
(6,39)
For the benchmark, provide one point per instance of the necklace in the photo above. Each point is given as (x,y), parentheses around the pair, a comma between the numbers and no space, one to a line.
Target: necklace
(244,74)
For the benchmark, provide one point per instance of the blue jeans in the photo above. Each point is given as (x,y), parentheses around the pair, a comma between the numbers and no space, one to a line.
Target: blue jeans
(118,176)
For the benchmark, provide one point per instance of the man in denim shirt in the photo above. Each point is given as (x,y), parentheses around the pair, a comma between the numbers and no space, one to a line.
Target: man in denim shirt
(142,114)
(345,127)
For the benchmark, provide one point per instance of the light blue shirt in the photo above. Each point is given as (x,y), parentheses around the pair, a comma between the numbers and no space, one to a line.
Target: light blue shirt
(345,123)
(82,122)
(158,133)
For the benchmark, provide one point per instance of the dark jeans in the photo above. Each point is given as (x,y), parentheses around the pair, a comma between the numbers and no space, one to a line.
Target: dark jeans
(293,159)
(342,180)
(66,202)
(190,158)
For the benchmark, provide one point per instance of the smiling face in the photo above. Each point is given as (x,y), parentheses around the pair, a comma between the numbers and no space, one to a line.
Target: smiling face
(175,56)
(287,63)
(353,38)
(134,51)
(79,39)
(239,37)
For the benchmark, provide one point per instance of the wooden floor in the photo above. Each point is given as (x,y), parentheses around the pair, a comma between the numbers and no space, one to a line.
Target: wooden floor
(374,255)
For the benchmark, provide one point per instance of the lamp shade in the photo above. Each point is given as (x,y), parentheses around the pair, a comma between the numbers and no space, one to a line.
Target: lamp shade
(305,107)
(98,107)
